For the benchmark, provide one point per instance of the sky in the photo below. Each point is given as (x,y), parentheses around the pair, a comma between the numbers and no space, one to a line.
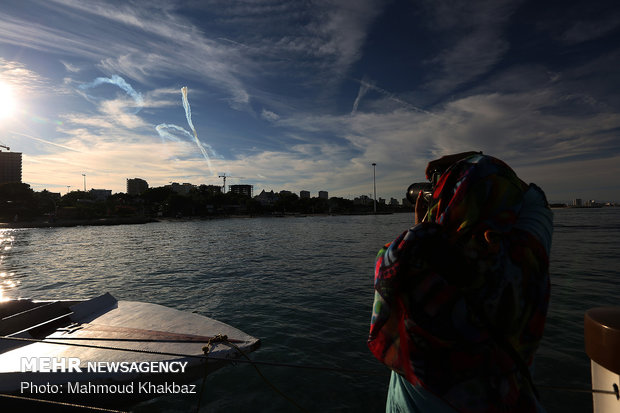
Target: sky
(306,95)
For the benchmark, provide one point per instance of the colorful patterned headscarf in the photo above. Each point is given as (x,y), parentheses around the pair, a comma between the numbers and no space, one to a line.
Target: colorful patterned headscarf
(462,296)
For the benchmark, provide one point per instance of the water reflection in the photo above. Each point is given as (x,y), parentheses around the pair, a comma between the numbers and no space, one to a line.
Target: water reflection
(7,279)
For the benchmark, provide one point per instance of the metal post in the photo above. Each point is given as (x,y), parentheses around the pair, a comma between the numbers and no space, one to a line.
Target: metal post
(374,184)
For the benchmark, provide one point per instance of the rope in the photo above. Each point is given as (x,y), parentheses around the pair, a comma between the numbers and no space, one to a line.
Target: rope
(265,363)
(206,349)
(270,384)
(255,363)
(615,391)
(57,403)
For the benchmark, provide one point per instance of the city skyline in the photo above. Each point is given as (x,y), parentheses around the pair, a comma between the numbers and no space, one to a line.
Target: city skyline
(309,95)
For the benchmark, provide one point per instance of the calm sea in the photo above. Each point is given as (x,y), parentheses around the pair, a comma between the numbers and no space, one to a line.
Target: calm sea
(304,287)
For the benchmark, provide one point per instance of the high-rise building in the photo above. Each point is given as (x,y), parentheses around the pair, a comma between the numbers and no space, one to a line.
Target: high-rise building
(10,167)
(323,195)
(304,194)
(241,189)
(136,186)
(212,189)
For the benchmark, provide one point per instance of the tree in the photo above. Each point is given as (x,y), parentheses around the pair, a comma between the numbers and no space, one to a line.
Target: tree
(17,201)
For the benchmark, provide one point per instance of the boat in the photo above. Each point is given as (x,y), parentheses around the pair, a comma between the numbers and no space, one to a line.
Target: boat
(106,352)
(602,341)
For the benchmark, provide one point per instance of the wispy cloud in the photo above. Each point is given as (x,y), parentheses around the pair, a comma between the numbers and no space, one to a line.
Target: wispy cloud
(275,91)
(477,43)
(21,78)
(269,115)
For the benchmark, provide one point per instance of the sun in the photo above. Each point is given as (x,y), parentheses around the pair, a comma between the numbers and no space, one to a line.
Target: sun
(7,101)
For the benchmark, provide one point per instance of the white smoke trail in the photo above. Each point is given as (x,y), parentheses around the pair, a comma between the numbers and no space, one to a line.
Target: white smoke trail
(167,131)
(162,130)
(188,115)
(44,141)
(121,83)
(389,95)
(360,94)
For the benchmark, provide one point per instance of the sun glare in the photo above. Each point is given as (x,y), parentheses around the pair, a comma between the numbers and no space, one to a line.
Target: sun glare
(7,101)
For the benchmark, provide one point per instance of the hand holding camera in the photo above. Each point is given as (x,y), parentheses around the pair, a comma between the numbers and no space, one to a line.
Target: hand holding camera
(421,193)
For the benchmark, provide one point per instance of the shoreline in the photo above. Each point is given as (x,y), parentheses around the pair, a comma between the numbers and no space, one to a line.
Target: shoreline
(77,222)
(143,220)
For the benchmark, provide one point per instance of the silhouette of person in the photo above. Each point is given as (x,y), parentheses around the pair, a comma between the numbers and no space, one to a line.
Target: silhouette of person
(461,297)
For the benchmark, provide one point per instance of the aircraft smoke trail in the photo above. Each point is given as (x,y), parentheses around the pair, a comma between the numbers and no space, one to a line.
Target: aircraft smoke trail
(169,132)
(121,83)
(389,95)
(44,141)
(360,94)
(188,115)
(188,109)
(164,134)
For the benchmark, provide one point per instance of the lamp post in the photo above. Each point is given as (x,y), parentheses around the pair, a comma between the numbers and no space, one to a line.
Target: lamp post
(374,184)
(84,175)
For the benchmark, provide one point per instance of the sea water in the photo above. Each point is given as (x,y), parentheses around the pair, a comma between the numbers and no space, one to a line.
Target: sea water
(303,286)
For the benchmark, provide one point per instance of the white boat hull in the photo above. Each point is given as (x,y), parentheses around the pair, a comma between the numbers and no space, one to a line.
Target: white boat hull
(162,349)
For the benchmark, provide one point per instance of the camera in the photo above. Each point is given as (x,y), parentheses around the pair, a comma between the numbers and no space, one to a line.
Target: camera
(427,188)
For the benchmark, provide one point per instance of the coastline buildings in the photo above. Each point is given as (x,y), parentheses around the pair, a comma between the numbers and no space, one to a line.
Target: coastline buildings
(266,198)
(241,189)
(304,194)
(212,189)
(181,189)
(136,186)
(323,195)
(100,194)
(10,167)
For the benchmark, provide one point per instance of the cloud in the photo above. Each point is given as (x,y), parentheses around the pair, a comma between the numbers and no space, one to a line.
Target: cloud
(269,115)
(22,79)
(115,37)
(477,43)
(583,30)
(344,29)
(69,67)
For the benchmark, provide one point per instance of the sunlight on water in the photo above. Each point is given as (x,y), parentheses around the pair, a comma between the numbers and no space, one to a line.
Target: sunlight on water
(6,279)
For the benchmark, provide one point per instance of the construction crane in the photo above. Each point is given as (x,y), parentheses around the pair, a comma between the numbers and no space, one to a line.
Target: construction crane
(223,187)
(227,176)
(4,146)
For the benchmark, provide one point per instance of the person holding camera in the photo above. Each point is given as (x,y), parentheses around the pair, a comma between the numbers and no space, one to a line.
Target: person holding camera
(461,297)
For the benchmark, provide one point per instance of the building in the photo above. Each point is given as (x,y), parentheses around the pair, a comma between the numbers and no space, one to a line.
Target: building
(181,189)
(10,167)
(393,202)
(241,189)
(578,202)
(304,194)
(212,189)
(100,194)
(136,186)
(362,200)
(323,195)
(266,198)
